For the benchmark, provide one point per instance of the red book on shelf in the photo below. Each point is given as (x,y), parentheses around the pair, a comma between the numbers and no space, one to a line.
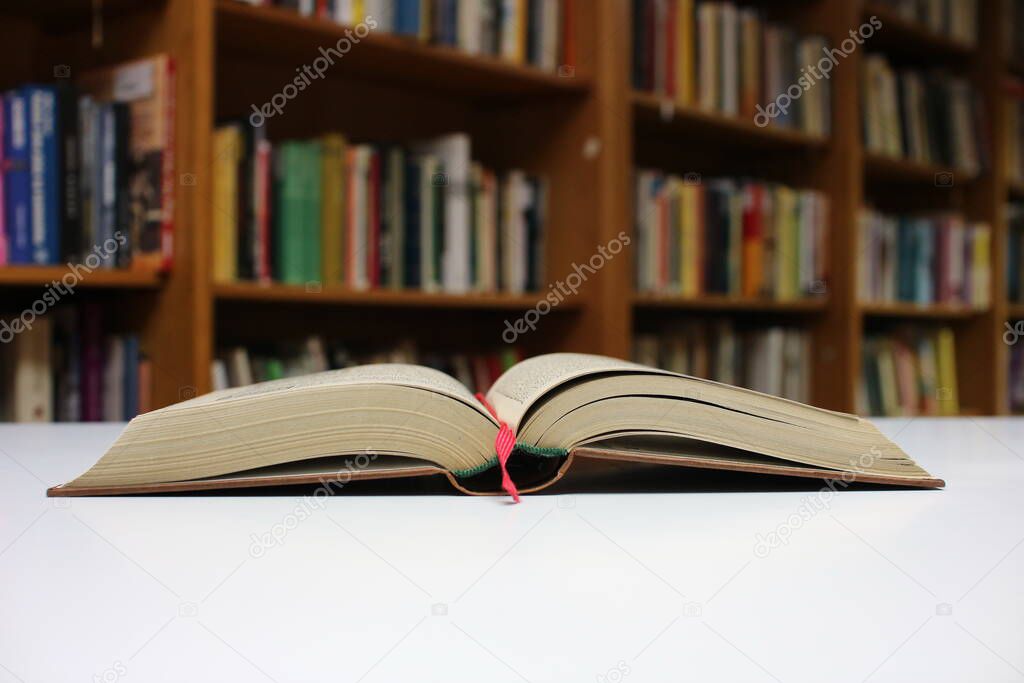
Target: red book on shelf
(373,204)
(494,370)
(752,268)
(351,223)
(568,34)
(481,373)
(145,386)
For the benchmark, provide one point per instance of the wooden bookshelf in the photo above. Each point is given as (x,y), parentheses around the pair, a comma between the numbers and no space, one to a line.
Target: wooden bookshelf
(681,120)
(584,128)
(42,276)
(886,169)
(279,35)
(315,294)
(907,38)
(922,312)
(731,304)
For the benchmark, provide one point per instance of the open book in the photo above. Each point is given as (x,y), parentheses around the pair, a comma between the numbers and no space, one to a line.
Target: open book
(386,421)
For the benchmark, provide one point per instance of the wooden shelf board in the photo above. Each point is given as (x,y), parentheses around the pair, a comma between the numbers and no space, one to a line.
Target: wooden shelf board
(878,167)
(730,303)
(926,312)
(61,13)
(1015,311)
(902,36)
(1015,188)
(279,34)
(658,110)
(336,295)
(41,276)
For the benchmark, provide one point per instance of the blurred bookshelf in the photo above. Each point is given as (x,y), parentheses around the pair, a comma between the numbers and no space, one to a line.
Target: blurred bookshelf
(586,127)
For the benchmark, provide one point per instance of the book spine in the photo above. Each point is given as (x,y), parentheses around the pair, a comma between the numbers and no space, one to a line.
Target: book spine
(18,180)
(71,202)
(44,170)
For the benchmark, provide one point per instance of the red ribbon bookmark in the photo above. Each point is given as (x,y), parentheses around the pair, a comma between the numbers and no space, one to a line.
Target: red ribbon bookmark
(503,445)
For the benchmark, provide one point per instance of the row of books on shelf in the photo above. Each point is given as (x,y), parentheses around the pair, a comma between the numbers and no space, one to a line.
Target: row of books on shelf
(326,210)
(726,58)
(88,169)
(773,360)
(924,259)
(240,366)
(909,372)
(732,237)
(925,117)
(955,19)
(1015,252)
(535,32)
(67,368)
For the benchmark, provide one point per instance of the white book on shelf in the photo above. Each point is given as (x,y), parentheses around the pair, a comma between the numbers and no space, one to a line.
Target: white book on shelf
(453,153)
(468,34)
(219,375)
(551,24)
(30,372)
(239,369)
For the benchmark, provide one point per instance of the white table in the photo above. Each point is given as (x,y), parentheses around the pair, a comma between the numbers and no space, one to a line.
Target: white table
(878,585)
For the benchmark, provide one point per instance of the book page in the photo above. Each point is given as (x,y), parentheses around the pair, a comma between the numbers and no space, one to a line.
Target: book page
(398,374)
(522,385)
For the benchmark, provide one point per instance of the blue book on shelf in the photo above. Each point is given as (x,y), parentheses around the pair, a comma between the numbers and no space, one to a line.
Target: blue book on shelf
(17,179)
(44,172)
(923,287)
(411,240)
(407,17)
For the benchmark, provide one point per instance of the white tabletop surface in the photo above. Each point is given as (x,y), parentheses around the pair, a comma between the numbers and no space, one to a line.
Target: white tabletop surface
(869,584)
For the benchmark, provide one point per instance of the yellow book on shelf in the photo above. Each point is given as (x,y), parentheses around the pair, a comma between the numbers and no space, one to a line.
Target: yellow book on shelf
(684,52)
(785,243)
(887,380)
(227,143)
(949,400)
(982,261)
(332,207)
(358,11)
(426,12)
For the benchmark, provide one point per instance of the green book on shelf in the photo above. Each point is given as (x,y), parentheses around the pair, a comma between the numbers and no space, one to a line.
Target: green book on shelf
(289,179)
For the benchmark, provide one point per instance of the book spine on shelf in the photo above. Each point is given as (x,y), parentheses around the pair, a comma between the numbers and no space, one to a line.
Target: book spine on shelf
(17,178)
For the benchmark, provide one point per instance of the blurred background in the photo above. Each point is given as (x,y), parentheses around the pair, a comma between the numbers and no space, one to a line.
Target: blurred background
(820,199)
